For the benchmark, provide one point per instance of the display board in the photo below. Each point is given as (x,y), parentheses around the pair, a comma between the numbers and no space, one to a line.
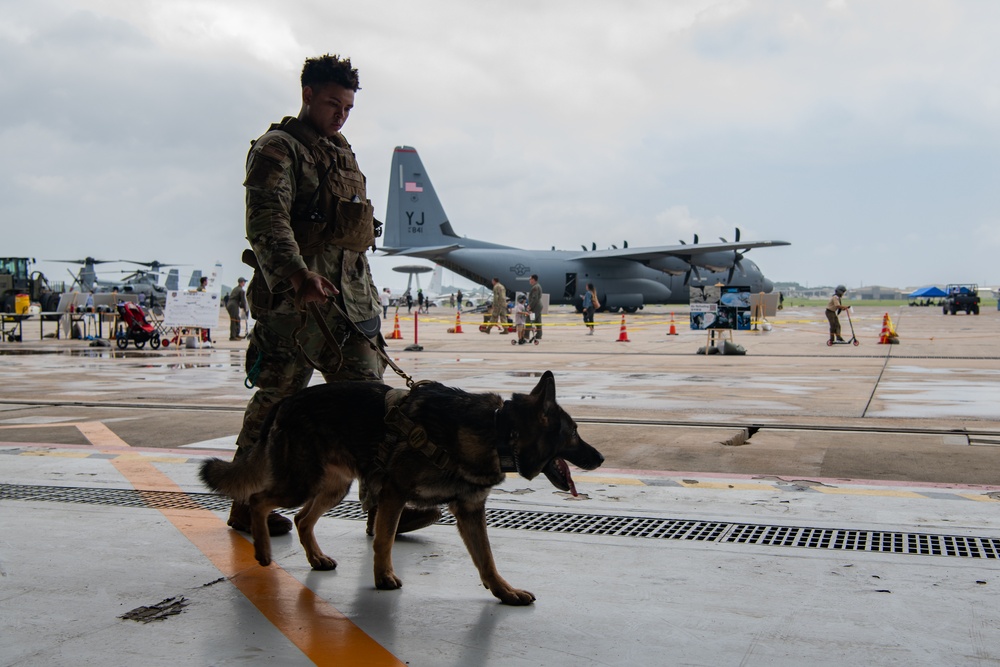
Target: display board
(198,310)
(765,305)
(719,307)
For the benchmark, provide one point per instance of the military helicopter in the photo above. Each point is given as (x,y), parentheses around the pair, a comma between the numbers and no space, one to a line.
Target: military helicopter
(144,282)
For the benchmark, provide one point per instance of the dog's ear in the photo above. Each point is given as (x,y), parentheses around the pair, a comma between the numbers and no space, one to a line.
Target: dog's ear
(546,388)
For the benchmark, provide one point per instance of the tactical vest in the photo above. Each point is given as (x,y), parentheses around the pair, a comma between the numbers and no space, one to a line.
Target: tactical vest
(330,204)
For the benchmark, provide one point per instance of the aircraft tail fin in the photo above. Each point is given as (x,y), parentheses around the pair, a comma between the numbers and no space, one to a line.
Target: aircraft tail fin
(173,278)
(414,216)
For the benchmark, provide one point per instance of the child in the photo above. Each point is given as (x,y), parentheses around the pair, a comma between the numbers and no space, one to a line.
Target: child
(519,318)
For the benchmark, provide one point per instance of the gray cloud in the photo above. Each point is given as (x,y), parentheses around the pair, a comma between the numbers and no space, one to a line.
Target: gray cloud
(845,128)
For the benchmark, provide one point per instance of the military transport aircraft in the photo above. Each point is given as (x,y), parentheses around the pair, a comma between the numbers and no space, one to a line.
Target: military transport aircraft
(626,278)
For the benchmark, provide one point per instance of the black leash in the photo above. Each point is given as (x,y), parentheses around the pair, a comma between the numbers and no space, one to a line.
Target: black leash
(332,341)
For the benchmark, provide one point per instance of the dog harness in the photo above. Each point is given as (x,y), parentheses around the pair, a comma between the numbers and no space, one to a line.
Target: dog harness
(401,428)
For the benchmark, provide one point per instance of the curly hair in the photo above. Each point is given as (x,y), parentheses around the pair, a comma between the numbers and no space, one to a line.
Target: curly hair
(330,69)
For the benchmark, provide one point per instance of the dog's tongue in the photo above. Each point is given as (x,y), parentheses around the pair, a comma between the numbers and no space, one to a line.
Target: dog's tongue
(564,471)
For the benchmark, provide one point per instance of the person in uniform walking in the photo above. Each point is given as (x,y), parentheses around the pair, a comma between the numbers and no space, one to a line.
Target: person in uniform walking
(535,306)
(498,315)
(236,305)
(309,223)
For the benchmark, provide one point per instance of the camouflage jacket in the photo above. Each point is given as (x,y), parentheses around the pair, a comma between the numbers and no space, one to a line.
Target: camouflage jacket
(306,207)
(535,298)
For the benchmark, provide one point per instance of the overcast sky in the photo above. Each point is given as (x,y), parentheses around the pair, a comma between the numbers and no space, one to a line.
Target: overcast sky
(866,134)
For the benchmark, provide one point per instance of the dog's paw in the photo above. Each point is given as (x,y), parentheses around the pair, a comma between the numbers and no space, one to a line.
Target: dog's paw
(515,597)
(388,581)
(263,559)
(322,562)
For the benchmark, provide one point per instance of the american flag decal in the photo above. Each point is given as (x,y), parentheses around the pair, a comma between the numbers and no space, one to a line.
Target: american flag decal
(410,186)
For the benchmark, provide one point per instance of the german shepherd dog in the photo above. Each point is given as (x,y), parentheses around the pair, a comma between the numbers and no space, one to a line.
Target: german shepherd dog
(424,447)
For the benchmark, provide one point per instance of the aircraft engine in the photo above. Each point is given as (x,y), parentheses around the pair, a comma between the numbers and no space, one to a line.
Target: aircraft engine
(674,266)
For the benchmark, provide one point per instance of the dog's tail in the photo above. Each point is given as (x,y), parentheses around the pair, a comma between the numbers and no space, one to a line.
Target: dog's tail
(238,479)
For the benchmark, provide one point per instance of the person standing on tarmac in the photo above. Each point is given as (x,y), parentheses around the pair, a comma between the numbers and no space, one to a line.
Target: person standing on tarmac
(833,311)
(535,306)
(590,305)
(236,303)
(309,223)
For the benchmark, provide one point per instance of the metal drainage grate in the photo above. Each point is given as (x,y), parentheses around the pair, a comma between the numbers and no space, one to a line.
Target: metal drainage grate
(839,539)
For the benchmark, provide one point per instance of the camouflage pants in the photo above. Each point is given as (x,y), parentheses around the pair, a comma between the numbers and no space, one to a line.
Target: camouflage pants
(234,322)
(498,317)
(281,359)
(534,322)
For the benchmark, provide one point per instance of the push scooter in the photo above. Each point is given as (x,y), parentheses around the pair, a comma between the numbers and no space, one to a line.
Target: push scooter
(853,339)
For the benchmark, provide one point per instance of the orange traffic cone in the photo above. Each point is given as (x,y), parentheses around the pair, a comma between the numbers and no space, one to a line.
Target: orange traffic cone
(458,323)
(673,329)
(622,333)
(396,333)
(888,335)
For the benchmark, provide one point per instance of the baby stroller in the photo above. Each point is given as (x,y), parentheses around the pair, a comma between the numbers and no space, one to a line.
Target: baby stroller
(135,328)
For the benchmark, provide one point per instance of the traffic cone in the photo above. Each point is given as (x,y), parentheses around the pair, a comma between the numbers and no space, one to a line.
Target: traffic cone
(883,338)
(888,335)
(622,333)
(458,323)
(673,329)
(396,333)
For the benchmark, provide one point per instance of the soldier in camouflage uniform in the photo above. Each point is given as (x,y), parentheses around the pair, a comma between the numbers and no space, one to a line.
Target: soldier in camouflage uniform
(309,223)
(498,316)
(237,300)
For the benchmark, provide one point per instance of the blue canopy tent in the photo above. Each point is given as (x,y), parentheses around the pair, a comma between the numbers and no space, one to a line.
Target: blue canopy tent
(927,292)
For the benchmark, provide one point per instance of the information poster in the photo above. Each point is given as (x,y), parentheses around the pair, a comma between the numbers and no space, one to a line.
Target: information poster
(720,307)
(198,310)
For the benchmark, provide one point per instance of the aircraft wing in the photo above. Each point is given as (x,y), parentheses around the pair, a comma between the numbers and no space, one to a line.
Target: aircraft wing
(683,251)
(426,252)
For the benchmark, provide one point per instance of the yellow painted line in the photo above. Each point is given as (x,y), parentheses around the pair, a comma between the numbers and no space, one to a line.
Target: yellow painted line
(725,485)
(980,498)
(65,455)
(319,630)
(869,492)
(100,435)
(621,481)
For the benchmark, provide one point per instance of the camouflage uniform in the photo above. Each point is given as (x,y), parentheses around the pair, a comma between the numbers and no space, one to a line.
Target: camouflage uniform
(499,314)
(535,306)
(306,208)
(237,300)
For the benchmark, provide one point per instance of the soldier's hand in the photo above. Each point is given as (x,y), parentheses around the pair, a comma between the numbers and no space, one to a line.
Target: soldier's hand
(311,287)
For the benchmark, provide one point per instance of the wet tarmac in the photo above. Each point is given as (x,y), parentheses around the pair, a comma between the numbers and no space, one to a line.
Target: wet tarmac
(874,440)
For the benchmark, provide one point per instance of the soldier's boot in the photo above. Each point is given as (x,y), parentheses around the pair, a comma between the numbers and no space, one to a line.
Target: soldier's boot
(239,519)
(412,519)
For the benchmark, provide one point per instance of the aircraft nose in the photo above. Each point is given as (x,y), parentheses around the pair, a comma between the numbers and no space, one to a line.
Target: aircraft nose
(767,286)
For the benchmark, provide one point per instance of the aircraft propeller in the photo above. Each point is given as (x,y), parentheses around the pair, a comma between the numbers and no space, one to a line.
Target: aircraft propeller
(737,258)
(691,267)
(88,266)
(88,260)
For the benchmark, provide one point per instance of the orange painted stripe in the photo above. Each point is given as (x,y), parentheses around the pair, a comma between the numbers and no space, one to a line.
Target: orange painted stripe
(320,631)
